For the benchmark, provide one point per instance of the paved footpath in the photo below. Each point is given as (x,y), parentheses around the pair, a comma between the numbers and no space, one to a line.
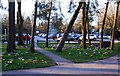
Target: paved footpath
(65,67)
(57,59)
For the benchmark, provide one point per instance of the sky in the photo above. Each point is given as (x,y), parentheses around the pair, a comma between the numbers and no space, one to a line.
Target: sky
(27,7)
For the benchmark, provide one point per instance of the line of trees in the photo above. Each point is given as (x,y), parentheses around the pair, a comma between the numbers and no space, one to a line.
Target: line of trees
(85,22)
(61,44)
(11,36)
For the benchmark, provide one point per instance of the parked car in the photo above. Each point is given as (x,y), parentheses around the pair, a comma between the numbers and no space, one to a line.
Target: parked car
(52,36)
(105,38)
(76,36)
(44,35)
(91,36)
(40,34)
(59,35)
(70,38)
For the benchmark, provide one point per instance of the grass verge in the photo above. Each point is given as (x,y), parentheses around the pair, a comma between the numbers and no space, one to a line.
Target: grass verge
(76,54)
(23,59)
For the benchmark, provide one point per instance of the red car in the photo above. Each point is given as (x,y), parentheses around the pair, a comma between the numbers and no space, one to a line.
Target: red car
(52,36)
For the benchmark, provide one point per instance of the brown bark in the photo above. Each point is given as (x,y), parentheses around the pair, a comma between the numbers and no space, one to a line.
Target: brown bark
(101,39)
(61,44)
(20,24)
(87,23)
(34,26)
(114,26)
(47,31)
(84,26)
(11,38)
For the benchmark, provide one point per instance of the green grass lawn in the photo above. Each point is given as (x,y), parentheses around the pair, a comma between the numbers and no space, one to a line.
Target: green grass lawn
(77,55)
(23,59)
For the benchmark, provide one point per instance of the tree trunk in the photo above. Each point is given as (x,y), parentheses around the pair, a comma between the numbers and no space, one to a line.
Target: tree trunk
(114,26)
(20,24)
(87,23)
(47,31)
(84,27)
(34,26)
(11,39)
(61,44)
(101,39)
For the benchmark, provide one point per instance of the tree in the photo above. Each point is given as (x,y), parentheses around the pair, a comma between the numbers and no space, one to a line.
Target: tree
(101,39)
(47,31)
(87,22)
(33,31)
(92,11)
(118,22)
(114,26)
(61,14)
(44,14)
(27,26)
(43,9)
(61,44)
(84,26)
(42,27)
(11,39)
(2,7)
(62,28)
(57,22)
(110,20)
(5,24)
(20,24)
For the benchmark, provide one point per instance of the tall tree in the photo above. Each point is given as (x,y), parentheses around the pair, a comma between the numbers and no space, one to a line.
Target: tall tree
(33,31)
(11,39)
(47,31)
(61,14)
(87,22)
(61,44)
(101,39)
(84,26)
(20,24)
(114,26)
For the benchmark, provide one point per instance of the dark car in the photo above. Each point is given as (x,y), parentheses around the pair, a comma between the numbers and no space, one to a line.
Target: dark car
(76,36)
(70,38)
(52,36)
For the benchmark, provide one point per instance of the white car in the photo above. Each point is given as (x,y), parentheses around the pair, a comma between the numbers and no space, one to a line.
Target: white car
(105,38)
(92,37)
(70,38)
